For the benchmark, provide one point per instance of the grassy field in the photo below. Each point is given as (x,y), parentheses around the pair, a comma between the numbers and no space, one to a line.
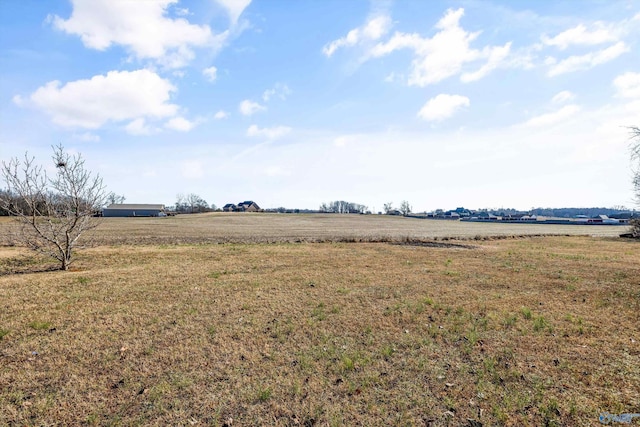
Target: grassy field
(267,228)
(158,326)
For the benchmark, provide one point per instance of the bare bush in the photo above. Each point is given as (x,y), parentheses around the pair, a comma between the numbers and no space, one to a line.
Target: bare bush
(52,211)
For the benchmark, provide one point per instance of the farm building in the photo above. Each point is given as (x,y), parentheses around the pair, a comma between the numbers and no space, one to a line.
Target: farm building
(128,210)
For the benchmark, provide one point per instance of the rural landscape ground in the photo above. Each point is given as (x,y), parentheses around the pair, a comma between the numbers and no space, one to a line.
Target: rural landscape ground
(258,319)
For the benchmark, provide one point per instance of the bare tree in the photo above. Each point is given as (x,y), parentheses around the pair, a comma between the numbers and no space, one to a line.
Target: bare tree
(196,203)
(343,207)
(180,202)
(388,208)
(635,156)
(115,199)
(52,212)
(405,208)
(192,203)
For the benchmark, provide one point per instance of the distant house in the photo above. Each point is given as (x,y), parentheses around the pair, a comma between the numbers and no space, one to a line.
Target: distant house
(130,210)
(604,219)
(485,216)
(624,215)
(248,206)
(462,212)
(516,217)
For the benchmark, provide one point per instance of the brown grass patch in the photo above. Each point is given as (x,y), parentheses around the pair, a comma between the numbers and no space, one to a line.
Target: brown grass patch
(518,332)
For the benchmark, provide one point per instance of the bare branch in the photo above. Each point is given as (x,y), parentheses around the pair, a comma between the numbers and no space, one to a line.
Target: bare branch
(405,208)
(635,142)
(635,156)
(53,212)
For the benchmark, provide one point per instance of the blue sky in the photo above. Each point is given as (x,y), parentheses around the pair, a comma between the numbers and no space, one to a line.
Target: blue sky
(294,103)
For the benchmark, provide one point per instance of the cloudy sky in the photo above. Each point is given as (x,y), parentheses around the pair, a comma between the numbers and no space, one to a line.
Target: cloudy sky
(294,103)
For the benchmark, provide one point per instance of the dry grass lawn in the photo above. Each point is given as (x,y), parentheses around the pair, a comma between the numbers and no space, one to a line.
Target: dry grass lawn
(528,331)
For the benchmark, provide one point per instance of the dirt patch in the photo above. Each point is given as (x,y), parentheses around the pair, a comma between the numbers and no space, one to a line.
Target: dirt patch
(25,264)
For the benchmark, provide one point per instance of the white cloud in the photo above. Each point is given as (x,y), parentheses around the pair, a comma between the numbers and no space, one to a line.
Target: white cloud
(628,85)
(442,107)
(182,11)
(221,115)
(444,54)
(234,8)
(192,169)
(375,28)
(268,133)
(117,96)
(276,171)
(210,73)
(495,58)
(180,124)
(248,107)
(551,119)
(279,90)
(580,35)
(391,77)
(550,61)
(341,141)
(139,127)
(562,97)
(87,137)
(141,27)
(586,61)
(19,101)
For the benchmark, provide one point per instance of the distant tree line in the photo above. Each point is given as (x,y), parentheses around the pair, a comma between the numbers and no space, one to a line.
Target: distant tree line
(13,202)
(115,199)
(404,210)
(573,212)
(192,203)
(282,209)
(342,207)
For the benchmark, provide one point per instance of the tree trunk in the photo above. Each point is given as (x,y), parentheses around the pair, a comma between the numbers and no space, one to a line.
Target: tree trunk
(635,228)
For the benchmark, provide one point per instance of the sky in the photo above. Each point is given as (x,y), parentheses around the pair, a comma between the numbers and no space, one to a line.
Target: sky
(481,104)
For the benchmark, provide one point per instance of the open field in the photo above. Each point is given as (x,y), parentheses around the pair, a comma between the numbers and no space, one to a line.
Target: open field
(264,228)
(526,331)
(233,227)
